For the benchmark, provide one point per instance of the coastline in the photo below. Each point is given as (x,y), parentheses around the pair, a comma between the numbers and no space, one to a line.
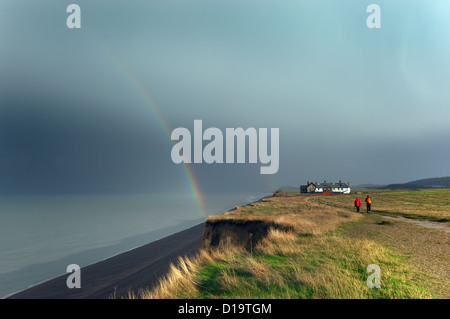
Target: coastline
(131,270)
(135,269)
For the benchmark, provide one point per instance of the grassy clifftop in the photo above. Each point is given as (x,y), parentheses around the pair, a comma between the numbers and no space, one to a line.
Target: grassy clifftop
(318,247)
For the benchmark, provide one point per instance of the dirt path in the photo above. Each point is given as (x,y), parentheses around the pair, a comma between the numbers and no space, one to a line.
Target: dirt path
(421,223)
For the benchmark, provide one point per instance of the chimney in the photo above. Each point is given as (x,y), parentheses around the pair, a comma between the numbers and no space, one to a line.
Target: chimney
(307,183)
(340,182)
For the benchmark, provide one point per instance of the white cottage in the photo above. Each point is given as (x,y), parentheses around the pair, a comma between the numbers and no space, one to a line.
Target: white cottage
(340,187)
(324,187)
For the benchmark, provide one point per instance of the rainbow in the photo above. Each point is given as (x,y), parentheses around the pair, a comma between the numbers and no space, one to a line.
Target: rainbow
(187,170)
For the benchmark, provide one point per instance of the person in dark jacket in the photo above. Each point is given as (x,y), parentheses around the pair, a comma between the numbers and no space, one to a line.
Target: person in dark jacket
(369,204)
(357,204)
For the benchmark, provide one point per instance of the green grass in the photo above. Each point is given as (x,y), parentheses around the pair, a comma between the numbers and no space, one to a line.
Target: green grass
(332,260)
(432,205)
(329,267)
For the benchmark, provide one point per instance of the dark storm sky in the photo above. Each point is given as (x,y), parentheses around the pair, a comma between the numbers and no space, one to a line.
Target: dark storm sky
(351,103)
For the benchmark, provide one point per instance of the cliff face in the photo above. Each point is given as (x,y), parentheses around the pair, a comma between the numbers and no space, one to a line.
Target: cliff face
(244,233)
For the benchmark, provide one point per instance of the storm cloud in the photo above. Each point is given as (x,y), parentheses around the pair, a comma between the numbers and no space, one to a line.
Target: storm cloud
(90,110)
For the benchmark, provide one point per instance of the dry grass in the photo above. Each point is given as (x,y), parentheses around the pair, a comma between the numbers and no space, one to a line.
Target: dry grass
(178,282)
(280,243)
(431,205)
(324,255)
(320,267)
(303,214)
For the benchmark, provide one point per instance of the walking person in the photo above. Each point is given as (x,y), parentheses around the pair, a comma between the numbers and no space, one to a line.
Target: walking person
(357,204)
(369,204)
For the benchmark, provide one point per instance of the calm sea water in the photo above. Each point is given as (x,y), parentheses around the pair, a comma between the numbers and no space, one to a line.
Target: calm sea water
(41,235)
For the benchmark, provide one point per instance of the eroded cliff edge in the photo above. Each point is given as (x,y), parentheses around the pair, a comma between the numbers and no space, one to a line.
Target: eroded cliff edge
(233,228)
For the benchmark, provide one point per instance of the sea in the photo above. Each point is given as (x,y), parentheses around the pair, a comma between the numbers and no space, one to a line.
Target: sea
(40,235)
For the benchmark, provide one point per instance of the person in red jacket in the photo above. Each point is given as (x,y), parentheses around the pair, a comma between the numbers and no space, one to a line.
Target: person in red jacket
(357,204)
